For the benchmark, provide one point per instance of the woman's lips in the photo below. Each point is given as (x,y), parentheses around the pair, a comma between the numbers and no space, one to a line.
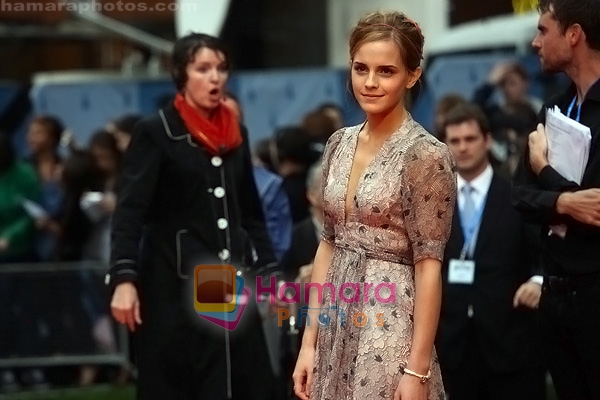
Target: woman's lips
(372,96)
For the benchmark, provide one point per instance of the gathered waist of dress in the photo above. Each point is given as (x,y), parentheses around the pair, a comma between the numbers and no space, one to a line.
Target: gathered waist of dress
(364,254)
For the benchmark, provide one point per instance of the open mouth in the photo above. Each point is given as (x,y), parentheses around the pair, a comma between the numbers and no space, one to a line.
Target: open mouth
(214,92)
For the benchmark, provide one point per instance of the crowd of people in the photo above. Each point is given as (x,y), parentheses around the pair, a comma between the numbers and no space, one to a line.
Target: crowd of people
(481,295)
(56,208)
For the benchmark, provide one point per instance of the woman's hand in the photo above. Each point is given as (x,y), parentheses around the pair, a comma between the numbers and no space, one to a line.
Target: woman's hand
(411,388)
(303,372)
(125,305)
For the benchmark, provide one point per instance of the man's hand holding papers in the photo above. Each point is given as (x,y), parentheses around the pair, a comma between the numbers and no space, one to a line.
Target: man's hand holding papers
(564,144)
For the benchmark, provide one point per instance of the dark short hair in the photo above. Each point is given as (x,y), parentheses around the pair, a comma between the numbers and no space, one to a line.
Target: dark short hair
(318,125)
(80,173)
(330,106)
(185,50)
(127,122)
(448,102)
(54,127)
(519,70)
(263,150)
(464,112)
(104,139)
(293,144)
(583,12)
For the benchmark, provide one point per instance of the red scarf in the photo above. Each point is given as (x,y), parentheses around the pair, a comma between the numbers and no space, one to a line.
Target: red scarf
(219,135)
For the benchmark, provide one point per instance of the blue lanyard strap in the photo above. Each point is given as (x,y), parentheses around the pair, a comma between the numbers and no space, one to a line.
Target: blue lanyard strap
(570,109)
(470,227)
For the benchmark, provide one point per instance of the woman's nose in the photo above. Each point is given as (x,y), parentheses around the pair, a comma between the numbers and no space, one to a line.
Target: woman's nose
(371,81)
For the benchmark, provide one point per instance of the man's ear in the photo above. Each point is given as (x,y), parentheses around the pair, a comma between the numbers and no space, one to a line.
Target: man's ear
(575,34)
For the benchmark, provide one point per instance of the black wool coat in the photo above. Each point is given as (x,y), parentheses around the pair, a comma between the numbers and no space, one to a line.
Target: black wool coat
(179,206)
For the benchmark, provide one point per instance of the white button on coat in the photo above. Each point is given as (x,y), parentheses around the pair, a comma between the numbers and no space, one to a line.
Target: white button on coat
(222,223)
(219,192)
(216,161)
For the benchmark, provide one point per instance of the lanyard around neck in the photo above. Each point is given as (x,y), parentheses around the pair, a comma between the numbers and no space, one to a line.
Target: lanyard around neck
(570,109)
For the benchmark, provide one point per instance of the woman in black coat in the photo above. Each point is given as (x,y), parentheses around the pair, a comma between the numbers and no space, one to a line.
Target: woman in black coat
(187,197)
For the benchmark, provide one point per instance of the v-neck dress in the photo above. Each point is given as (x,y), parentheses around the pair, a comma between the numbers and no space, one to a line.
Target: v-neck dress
(402,214)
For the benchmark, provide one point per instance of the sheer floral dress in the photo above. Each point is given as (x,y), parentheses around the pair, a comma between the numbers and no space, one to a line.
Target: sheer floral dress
(402,214)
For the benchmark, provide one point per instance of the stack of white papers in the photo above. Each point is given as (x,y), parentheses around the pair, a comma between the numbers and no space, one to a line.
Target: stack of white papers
(34,210)
(568,150)
(568,145)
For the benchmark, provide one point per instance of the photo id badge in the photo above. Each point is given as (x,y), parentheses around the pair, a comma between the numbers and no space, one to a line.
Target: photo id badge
(461,271)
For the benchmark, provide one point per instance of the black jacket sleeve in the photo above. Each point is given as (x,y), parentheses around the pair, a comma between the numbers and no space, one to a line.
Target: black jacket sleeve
(138,182)
(535,196)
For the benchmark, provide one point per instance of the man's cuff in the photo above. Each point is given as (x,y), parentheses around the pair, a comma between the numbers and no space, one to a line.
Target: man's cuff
(550,179)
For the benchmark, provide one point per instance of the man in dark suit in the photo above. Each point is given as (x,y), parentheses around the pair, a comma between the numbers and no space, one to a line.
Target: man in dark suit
(486,339)
(306,234)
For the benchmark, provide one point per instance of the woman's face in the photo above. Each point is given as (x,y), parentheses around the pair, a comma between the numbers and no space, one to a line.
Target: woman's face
(206,78)
(38,138)
(380,78)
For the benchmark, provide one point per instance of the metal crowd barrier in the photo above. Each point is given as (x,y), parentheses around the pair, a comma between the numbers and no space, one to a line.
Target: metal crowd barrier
(46,271)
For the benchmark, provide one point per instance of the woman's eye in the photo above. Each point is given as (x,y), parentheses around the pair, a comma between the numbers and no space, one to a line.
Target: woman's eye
(359,68)
(386,71)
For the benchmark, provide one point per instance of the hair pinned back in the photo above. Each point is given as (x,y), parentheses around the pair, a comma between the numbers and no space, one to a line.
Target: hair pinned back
(395,26)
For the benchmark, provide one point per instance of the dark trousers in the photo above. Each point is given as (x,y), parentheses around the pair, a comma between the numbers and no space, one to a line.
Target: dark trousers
(475,379)
(570,325)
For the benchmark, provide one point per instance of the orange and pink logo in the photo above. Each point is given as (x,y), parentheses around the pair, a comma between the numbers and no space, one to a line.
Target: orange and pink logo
(220,295)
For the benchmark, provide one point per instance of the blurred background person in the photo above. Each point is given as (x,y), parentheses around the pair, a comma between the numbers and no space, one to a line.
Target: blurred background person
(43,139)
(265,154)
(279,224)
(98,203)
(122,129)
(511,80)
(514,126)
(306,233)
(293,157)
(18,326)
(487,340)
(70,327)
(297,267)
(270,189)
(335,113)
